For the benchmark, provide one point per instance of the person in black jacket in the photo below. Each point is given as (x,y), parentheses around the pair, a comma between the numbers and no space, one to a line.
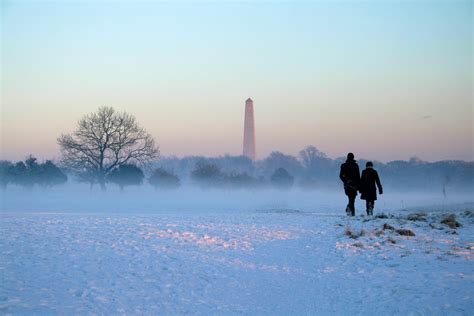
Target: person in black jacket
(350,176)
(369,179)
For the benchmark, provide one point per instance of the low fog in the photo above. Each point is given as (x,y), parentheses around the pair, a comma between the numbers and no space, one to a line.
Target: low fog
(278,182)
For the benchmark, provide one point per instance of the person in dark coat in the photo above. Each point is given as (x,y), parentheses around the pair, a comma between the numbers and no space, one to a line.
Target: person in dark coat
(350,176)
(367,188)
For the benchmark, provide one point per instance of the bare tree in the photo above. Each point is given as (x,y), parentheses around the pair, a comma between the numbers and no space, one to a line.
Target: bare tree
(310,155)
(104,141)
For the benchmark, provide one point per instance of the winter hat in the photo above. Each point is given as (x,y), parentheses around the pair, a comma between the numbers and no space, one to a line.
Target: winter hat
(350,156)
(369,164)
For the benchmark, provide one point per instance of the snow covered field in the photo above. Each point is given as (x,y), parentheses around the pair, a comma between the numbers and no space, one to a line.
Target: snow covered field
(265,260)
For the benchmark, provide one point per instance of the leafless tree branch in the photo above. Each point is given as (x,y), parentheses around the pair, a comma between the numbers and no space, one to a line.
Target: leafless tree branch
(106,140)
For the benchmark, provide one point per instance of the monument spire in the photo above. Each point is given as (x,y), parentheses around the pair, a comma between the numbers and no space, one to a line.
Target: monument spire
(249,131)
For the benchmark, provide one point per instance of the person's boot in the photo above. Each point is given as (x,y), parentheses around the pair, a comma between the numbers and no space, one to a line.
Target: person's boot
(348,211)
(353,212)
(371,208)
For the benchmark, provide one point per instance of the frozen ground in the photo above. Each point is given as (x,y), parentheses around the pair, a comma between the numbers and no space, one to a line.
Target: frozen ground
(262,261)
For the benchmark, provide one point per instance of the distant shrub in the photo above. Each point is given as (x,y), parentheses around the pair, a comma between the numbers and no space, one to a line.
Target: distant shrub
(209,174)
(162,179)
(241,180)
(282,179)
(126,175)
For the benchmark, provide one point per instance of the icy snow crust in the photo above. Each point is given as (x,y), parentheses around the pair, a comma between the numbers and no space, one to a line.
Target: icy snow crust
(257,261)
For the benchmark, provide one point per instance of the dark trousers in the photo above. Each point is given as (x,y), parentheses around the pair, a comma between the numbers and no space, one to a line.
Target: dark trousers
(370,204)
(351,205)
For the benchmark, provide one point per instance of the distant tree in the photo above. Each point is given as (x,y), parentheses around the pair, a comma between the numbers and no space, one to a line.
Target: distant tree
(235,164)
(162,179)
(50,174)
(279,160)
(126,175)
(6,173)
(416,161)
(31,163)
(404,175)
(22,175)
(166,163)
(310,156)
(183,167)
(318,167)
(33,170)
(282,179)
(104,141)
(87,176)
(209,174)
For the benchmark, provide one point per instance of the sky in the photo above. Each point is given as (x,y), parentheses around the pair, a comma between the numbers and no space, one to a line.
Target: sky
(386,80)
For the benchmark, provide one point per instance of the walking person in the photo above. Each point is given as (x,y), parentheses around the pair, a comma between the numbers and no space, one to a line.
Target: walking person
(350,176)
(369,179)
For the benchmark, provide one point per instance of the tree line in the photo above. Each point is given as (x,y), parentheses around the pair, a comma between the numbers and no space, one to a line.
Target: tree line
(312,169)
(111,147)
(29,173)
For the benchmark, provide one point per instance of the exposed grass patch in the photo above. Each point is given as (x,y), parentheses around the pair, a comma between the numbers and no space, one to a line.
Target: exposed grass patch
(405,232)
(387,226)
(351,233)
(391,240)
(469,214)
(417,217)
(451,221)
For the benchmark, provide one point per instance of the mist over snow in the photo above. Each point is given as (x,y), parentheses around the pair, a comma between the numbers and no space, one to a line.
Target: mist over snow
(77,197)
(308,182)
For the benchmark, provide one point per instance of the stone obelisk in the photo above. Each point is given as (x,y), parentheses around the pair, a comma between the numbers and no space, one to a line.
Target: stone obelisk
(249,131)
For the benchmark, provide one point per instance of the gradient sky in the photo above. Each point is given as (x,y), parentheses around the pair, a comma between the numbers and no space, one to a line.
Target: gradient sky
(385,79)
